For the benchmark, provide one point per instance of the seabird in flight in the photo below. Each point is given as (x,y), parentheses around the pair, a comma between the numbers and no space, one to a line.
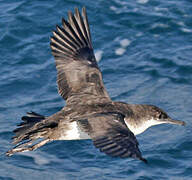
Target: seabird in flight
(89,112)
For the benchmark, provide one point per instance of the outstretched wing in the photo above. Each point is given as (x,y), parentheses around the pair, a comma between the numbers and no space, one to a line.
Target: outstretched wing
(79,78)
(111,135)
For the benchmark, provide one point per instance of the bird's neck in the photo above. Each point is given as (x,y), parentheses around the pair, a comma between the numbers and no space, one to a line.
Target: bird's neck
(138,127)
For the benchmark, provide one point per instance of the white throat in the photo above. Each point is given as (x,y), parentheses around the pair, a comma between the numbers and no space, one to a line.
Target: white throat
(138,129)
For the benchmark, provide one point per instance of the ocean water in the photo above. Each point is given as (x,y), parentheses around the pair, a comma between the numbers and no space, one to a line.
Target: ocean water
(144,49)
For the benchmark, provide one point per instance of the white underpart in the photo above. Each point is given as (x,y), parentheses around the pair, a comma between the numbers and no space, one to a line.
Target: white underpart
(143,127)
(74,133)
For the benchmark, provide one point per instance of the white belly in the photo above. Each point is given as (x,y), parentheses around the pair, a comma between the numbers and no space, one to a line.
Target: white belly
(74,133)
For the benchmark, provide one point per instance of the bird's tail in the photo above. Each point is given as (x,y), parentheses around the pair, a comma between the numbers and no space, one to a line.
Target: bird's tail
(32,128)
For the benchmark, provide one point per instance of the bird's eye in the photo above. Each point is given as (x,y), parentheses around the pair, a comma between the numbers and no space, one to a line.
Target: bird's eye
(163,116)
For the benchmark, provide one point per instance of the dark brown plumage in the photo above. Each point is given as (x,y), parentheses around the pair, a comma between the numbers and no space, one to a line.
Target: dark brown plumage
(89,111)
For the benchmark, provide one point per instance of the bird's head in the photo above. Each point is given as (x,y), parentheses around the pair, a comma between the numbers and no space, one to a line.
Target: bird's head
(161,116)
(145,116)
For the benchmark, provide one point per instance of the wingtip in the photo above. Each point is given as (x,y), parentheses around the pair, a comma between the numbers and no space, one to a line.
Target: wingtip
(84,9)
(70,15)
(62,19)
(57,27)
(64,22)
(76,10)
(77,13)
(8,154)
(144,160)
(184,123)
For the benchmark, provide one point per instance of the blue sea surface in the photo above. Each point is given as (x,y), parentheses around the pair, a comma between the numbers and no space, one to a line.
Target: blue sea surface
(144,49)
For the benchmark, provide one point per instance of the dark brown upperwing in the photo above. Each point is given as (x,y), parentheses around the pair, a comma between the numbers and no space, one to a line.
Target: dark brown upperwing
(79,78)
(111,135)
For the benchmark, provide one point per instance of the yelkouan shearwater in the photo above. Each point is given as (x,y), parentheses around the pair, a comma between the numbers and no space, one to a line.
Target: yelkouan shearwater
(89,112)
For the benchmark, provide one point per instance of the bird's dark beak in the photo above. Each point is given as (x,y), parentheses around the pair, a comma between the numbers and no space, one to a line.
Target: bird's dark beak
(172,121)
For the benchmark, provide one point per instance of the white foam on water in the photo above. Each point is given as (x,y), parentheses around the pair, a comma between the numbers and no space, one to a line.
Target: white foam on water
(125,42)
(117,39)
(38,158)
(160,25)
(142,1)
(181,23)
(139,34)
(186,30)
(120,51)
(135,9)
(41,160)
(116,10)
(161,9)
(185,15)
(98,55)
(120,2)
(156,35)
(113,8)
